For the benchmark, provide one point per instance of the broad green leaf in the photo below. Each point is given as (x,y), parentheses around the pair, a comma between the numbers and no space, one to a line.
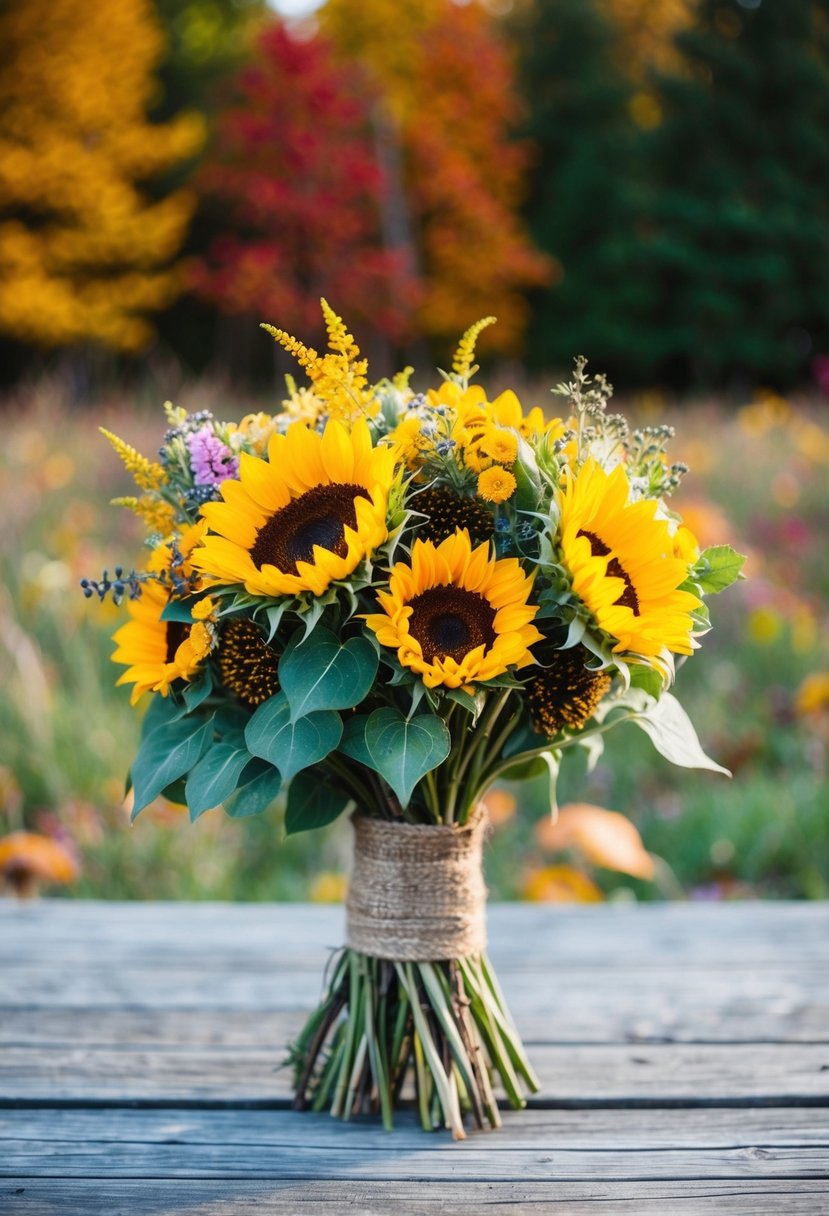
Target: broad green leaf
(167,753)
(312,803)
(646,678)
(321,672)
(198,691)
(261,783)
(215,777)
(291,746)
(404,749)
(717,568)
(161,710)
(672,734)
(353,741)
(179,610)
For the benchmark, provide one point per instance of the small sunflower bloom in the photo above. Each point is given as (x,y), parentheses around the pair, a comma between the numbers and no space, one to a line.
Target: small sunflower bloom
(501,445)
(496,484)
(456,615)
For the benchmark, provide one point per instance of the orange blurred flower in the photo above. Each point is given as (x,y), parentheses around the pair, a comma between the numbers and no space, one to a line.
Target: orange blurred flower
(27,859)
(602,837)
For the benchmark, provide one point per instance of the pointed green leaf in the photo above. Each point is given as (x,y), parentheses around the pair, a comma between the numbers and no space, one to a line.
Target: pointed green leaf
(214,778)
(312,803)
(291,746)
(717,568)
(672,734)
(353,741)
(198,691)
(321,672)
(261,783)
(404,749)
(167,753)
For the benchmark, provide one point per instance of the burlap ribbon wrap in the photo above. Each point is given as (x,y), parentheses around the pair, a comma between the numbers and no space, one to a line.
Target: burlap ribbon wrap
(417,893)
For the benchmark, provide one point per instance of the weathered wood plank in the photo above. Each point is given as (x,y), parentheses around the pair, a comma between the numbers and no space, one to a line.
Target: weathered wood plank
(682,1009)
(612,935)
(571,1005)
(409,1163)
(689,1129)
(598,1074)
(152,1197)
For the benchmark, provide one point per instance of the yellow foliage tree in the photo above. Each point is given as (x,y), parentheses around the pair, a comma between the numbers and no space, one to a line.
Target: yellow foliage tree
(84,254)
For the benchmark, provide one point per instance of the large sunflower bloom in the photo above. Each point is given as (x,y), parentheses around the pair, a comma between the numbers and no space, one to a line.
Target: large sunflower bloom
(621,559)
(157,652)
(457,615)
(305,517)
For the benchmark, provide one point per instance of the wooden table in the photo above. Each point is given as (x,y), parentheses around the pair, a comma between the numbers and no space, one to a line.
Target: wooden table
(683,1049)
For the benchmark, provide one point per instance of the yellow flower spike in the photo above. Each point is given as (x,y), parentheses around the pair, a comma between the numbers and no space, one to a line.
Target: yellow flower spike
(465,354)
(145,473)
(496,484)
(455,614)
(158,516)
(305,356)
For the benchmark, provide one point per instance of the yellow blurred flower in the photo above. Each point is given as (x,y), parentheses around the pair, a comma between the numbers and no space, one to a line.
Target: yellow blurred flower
(560,885)
(328,888)
(813,694)
(764,625)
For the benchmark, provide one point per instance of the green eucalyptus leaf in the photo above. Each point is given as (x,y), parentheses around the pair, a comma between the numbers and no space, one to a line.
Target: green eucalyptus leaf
(215,777)
(291,745)
(672,734)
(260,784)
(167,753)
(404,749)
(312,803)
(322,673)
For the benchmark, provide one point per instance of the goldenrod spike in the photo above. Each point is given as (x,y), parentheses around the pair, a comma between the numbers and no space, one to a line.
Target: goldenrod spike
(339,339)
(400,380)
(145,474)
(464,355)
(305,356)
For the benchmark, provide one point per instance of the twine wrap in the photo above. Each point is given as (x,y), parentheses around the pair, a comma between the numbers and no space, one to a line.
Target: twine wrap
(417,893)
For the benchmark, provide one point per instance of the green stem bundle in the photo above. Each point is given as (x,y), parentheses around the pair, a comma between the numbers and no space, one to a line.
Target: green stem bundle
(442,1026)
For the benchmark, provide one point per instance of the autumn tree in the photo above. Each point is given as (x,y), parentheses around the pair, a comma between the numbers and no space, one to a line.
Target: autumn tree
(294,184)
(444,113)
(85,251)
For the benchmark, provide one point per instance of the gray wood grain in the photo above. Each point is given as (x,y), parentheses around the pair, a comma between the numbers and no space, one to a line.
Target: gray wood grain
(597,1197)
(596,1074)
(683,1050)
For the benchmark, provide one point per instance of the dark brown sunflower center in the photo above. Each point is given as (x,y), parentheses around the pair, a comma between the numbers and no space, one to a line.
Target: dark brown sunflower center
(615,569)
(565,693)
(318,517)
(177,631)
(447,512)
(248,665)
(448,622)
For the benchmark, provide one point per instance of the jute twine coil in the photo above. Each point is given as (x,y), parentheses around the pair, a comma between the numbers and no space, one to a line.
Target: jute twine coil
(417,893)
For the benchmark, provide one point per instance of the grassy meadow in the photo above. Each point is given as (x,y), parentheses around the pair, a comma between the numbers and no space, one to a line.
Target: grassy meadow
(758,691)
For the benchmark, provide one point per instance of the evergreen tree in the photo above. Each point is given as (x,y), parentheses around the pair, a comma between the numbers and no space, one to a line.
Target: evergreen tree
(738,221)
(583,193)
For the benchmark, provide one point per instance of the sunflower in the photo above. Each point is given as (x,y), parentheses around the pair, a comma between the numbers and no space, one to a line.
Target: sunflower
(248,665)
(565,692)
(456,614)
(157,652)
(621,559)
(303,518)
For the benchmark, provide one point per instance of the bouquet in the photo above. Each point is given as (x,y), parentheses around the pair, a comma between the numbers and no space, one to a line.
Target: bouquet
(382,601)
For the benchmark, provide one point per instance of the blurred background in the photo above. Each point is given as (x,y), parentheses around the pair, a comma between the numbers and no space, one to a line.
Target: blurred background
(645,182)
